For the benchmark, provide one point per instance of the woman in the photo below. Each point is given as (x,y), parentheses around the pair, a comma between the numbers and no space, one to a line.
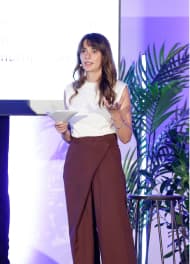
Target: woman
(93,176)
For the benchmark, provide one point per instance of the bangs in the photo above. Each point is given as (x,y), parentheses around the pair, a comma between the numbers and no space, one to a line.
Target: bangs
(92,43)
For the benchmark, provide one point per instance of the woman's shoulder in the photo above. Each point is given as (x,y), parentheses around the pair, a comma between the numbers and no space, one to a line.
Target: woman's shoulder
(69,88)
(120,84)
(119,88)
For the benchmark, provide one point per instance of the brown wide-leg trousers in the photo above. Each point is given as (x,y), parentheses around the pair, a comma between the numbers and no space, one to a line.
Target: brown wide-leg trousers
(96,202)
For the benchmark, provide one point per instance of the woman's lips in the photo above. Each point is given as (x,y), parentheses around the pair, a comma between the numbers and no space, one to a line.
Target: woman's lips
(87,63)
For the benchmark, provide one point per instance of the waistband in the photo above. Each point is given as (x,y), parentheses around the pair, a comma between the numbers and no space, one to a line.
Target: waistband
(105,138)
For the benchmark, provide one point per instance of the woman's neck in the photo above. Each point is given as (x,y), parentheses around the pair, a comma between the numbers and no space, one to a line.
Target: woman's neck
(93,77)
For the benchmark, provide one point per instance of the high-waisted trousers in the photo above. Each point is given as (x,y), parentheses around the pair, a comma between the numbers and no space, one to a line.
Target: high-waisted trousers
(96,202)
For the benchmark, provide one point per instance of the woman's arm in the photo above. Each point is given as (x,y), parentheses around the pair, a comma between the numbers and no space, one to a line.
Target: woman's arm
(63,129)
(121,117)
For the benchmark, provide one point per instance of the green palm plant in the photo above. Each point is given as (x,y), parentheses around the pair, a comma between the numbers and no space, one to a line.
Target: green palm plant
(160,125)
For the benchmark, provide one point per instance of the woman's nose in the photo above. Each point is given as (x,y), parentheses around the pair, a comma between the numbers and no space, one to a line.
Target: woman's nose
(87,54)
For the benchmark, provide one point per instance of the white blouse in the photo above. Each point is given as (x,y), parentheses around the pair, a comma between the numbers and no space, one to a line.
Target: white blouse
(91,119)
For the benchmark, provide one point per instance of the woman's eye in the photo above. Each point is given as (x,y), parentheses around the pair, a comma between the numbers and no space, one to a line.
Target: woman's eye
(82,50)
(94,50)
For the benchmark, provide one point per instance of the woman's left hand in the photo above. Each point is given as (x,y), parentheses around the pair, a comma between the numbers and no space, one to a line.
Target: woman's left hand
(111,107)
(114,109)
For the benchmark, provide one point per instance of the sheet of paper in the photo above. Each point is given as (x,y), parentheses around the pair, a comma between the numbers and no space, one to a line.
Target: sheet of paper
(61,115)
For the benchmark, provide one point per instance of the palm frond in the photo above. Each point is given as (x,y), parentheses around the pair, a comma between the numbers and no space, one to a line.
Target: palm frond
(130,170)
(172,141)
(161,68)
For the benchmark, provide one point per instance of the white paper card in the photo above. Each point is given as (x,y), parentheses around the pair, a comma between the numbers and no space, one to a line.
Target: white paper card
(61,115)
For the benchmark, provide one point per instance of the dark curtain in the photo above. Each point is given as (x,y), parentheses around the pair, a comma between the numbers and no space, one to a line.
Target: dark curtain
(4,196)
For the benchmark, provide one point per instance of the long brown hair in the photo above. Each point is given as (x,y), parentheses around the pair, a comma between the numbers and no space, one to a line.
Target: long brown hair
(109,74)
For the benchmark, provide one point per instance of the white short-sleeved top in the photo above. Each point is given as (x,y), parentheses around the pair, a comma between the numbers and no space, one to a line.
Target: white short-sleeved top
(91,119)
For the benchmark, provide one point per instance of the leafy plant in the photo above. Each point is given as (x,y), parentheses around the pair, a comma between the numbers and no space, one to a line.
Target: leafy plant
(160,125)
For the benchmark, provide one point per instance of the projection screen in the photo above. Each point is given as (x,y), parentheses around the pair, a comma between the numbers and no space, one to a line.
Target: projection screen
(38,42)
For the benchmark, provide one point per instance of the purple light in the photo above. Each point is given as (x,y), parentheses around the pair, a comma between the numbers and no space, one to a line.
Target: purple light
(37,200)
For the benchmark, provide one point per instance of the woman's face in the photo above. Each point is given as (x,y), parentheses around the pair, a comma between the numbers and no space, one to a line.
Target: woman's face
(91,59)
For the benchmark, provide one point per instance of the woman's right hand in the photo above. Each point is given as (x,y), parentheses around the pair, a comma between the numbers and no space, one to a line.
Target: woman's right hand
(61,127)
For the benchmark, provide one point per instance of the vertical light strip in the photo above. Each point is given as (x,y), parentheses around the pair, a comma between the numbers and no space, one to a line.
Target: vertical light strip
(143,133)
(143,166)
(22,186)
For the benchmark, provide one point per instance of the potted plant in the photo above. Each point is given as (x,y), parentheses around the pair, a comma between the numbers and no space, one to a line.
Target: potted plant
(160,162)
